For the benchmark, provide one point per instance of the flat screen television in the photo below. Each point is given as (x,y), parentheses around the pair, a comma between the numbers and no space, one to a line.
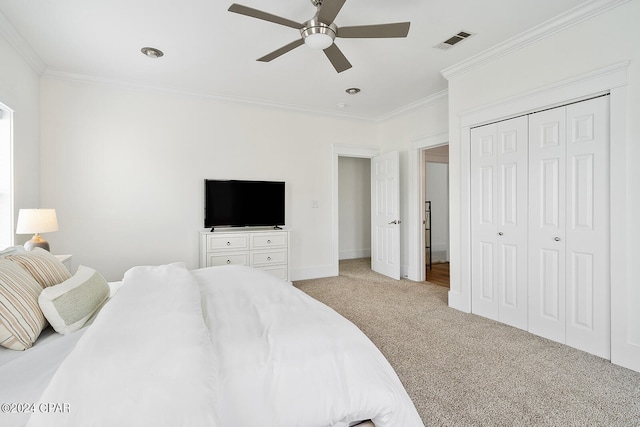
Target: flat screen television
(236,203)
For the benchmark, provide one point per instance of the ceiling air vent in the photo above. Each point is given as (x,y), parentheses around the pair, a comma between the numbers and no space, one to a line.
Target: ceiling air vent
(453,40)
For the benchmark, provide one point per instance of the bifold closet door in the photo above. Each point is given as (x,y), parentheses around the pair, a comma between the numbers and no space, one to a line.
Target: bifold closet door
(569,291)
(499,221)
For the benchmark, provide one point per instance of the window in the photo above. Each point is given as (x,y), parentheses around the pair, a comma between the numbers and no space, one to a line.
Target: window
(6,177)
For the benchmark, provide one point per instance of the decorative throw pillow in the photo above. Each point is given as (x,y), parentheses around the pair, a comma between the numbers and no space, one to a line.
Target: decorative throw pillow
(21,319)
(43,266)
(69,305)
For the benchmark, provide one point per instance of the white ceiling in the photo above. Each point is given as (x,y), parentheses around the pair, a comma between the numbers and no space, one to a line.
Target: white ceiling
(212,51)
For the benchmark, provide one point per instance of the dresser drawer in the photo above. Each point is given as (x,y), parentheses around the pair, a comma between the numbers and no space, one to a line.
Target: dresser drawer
(280,271)
(227,242)
(263,258)
(228,259)
(268,240)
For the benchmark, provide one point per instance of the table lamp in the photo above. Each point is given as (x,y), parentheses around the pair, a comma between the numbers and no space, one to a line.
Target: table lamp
(36,221)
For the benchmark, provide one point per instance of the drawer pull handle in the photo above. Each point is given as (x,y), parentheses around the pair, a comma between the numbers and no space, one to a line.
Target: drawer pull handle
(228,243)
(268,258)
(228,261)
(269,241)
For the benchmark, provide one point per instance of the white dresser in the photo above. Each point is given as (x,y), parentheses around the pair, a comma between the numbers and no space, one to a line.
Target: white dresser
(264,249)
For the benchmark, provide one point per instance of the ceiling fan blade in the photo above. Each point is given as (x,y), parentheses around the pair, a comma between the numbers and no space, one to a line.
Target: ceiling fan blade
(278,52)
(255,13)
(337,58)
(398,29)
(329,10)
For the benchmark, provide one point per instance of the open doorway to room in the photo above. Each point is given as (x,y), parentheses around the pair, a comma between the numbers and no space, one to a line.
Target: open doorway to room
(435,176)
(354,212)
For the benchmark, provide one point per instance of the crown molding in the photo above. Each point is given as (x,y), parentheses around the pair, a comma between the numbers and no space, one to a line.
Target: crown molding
(81,78)
(21,46)
(414,105)
(561,22)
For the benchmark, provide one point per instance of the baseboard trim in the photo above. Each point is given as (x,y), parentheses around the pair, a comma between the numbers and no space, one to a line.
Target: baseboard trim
(356,253)
(311,272)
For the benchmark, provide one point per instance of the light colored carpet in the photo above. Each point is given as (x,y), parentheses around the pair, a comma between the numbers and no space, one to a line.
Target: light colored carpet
(464,370)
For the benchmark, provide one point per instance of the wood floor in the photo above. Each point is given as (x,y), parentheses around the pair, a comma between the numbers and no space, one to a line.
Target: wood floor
(439,274)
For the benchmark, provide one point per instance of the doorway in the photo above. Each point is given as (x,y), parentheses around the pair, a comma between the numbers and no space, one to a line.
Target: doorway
(435,177)
(354,208)
(340,151)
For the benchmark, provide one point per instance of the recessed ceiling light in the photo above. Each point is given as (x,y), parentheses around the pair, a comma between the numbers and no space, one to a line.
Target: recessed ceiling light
(353,90)
(152,52)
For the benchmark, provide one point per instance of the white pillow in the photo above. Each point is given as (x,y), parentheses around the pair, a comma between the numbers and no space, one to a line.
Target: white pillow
(69,305)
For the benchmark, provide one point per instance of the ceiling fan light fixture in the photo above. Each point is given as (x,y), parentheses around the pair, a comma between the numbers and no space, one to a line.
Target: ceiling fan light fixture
(318,41)
(317,35)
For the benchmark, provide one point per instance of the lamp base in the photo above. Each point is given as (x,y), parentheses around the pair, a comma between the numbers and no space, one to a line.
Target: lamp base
(36,242)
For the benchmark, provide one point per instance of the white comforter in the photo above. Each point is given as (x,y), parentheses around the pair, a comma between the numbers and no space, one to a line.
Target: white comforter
(265,355)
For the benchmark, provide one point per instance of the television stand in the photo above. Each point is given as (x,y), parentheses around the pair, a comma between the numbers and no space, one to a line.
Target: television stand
(265,249)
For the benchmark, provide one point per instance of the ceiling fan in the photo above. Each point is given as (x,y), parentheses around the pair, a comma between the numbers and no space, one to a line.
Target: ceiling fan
(320,31)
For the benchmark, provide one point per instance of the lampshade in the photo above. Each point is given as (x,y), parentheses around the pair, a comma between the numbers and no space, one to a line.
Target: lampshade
(37,221)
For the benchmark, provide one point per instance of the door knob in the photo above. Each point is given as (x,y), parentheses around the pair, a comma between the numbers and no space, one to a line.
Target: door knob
(395,221)
(557,239)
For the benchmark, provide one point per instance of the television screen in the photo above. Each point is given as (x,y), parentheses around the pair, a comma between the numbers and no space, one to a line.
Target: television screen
(231,203)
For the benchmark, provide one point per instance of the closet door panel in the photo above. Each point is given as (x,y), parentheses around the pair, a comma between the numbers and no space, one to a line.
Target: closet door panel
(588,288)
(547,264)
(484,187)
(512,221)
(499,221)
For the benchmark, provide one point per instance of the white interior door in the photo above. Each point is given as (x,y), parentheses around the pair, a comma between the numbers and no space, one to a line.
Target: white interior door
(385,215)
(484,223)
(513,139)
(569,298)
(499,221)
(547,160)
(587,227)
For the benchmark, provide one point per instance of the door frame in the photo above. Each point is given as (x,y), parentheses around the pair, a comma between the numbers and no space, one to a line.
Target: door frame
(342,150)
(415,233)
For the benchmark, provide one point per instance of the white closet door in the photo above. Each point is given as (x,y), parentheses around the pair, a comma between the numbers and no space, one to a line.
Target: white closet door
(499,215)
(568,229)
(512,221)
(588,289)
(484,221)
(547,158)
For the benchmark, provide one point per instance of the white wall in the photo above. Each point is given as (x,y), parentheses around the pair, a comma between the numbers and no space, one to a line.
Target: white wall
(19,90)
(590,45)
(437,191)
(354,201)
(125,168)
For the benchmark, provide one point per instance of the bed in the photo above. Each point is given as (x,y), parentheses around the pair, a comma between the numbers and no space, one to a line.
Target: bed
(218,346)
